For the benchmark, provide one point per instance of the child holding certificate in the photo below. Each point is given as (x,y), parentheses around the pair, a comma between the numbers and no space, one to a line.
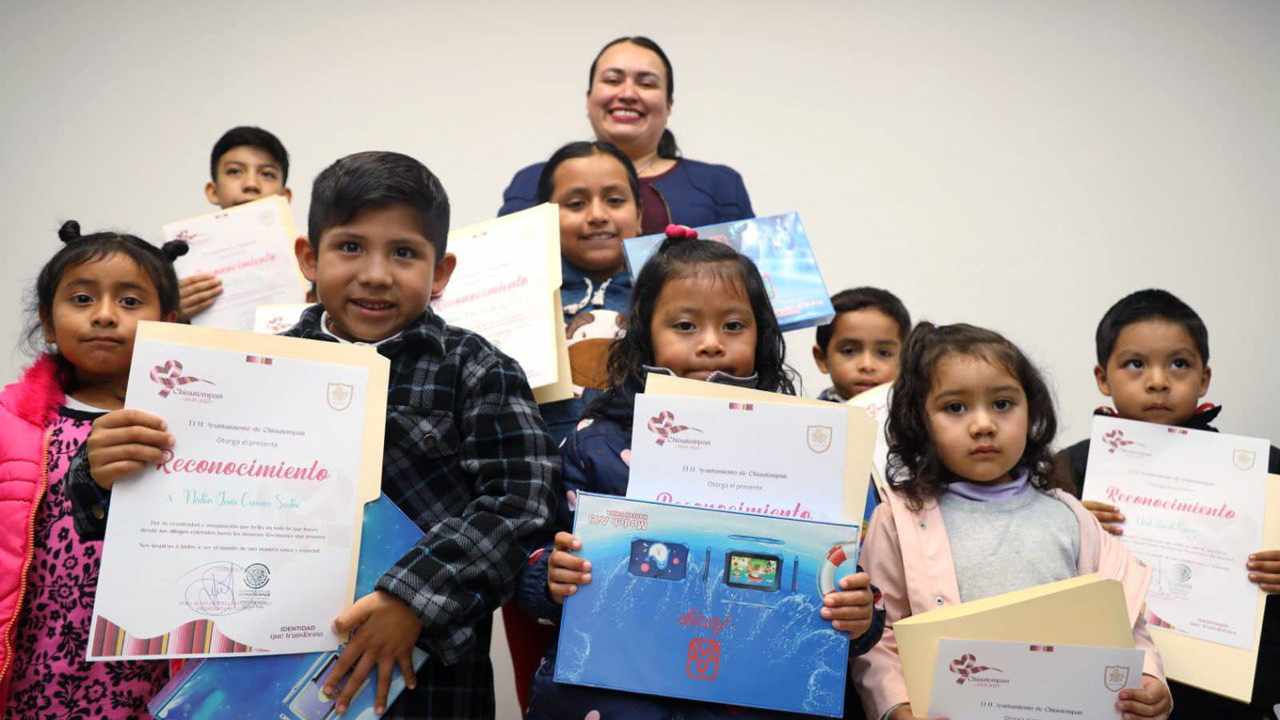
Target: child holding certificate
(1153,362)
(699,310)
(596,188)
(247,164)
(88,301)
(970,514)
(466,455)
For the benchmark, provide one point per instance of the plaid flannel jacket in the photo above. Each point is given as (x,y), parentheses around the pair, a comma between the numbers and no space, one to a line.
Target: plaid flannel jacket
(468,458)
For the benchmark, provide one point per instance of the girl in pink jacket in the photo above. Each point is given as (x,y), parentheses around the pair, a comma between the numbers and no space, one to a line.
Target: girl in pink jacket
(970,513)
(88,300)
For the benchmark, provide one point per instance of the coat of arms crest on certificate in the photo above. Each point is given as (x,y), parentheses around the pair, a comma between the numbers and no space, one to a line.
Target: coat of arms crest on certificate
(1115,677)
(1244,459)
(340,395)
(819,437)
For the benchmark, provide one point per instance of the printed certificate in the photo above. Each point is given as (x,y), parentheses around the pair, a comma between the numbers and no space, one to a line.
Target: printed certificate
(993,679)
(763,458)
(244,538)
(507,289)
(1193,503)
(250,248)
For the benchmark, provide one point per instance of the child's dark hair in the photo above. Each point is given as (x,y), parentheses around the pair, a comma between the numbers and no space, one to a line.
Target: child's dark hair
(79,249)
(377,179)
(1149,305)
(667,147)
(861,298)
(246,135)
(680,258)
(915,468)
(581,149)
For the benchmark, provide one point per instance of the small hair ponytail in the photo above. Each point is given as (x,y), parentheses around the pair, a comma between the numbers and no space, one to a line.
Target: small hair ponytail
(69,232)
(174,249)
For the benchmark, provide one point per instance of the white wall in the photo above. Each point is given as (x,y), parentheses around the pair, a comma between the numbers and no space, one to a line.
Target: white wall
(1017,165)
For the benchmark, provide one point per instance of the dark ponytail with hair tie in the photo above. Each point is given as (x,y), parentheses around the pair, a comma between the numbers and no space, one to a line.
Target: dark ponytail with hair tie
(174,249)
(69,232)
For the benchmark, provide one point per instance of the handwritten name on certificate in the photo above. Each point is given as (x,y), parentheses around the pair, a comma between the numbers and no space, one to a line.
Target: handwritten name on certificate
(1193,503)
(242,538)
(760,458)
(250,248)
(992,679)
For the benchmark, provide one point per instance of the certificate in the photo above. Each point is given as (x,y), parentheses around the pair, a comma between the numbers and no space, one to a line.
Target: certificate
(507,289)
(993,679)
(1193,503)
(250,248)
(754,457)
(244,537)
(1086,610)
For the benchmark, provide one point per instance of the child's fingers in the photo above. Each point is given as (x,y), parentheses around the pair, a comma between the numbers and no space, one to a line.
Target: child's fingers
(195,279)
(354,682)
(566,561)
(1264,569)
(1113,529)
(857,581)
(133,452)
(385,666)
(128,417)
(847,606)
(567,541)
(350,654)
(565,576)
(1104,512)
(405,661)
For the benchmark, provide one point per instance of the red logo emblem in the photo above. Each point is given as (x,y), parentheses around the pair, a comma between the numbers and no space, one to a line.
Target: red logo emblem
(664,426)
(966,666)
(704,659)
(169,376)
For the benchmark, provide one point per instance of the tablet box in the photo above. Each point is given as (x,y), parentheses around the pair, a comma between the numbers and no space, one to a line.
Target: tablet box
(780,249)
(707,605)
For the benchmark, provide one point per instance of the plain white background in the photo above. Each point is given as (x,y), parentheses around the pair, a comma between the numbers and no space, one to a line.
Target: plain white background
(1016,165)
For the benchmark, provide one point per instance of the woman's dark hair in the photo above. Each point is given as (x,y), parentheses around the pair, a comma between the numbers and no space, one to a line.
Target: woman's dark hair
(79,249)
(679,258)
(667,147)
(581,149)
(915,468)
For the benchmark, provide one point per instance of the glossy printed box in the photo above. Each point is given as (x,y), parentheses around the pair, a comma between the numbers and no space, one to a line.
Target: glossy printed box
(780,249)
(707,605)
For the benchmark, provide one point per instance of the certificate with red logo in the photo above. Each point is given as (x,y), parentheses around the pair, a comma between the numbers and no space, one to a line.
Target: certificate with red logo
(250,248)
(243,539)
(752,456)
(994,679)
(1193,503)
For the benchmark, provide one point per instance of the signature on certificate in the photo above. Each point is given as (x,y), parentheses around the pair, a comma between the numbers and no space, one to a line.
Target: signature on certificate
(211,589)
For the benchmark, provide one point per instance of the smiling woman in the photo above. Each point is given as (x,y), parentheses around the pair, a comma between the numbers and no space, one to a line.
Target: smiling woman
(630,96)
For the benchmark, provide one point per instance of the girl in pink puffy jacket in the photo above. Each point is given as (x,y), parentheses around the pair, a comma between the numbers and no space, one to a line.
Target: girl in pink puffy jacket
(88,300)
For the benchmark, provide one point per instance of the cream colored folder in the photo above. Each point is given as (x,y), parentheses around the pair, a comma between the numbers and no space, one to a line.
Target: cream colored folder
(1084,610)
(861,440)
(369,485)
(1218,668)
(539,224)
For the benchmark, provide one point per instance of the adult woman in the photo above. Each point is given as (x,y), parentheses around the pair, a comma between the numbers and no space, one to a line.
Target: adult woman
(630,91)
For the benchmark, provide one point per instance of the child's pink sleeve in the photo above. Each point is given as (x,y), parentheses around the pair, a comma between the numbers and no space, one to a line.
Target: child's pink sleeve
(878,673)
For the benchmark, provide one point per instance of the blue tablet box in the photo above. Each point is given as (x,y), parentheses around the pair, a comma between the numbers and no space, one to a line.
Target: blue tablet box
(287,687)
(707,605)
(780,249)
